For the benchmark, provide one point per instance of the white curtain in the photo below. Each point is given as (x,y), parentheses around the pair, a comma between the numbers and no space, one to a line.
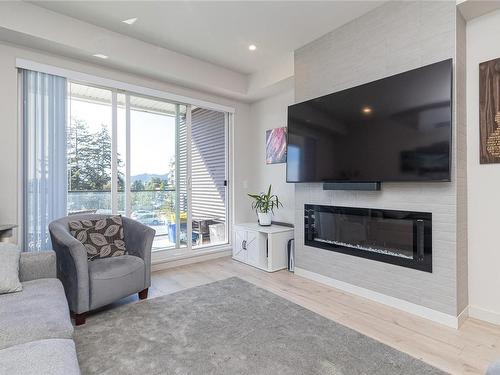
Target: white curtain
(44,156)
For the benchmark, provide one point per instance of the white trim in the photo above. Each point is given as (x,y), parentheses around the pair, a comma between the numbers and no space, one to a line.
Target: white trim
(462,317)
(188,258)
(424,312)
(189,177)
(177,181)
(227,176)
(114,152)
(483,314)
(20,162)
(128,195)
(167,254)
(230,177)
(101,81)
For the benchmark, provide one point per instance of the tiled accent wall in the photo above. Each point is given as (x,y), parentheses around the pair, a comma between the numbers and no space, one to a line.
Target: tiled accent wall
(396,37)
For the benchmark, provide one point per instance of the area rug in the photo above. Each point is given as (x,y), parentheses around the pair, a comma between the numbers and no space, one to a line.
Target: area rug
(230,327)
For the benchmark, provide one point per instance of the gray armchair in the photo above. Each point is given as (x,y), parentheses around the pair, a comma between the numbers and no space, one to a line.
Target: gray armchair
(90,285)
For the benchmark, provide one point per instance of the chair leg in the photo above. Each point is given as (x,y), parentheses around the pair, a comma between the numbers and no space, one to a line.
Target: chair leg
(80,319)
(143,294)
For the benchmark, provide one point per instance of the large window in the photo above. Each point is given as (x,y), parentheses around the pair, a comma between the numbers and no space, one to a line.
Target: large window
(89,150)
(161,163)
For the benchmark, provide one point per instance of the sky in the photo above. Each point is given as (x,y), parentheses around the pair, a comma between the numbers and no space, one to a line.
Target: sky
(152,136)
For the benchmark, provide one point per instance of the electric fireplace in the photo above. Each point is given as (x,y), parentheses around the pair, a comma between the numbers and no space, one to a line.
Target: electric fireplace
(403,238)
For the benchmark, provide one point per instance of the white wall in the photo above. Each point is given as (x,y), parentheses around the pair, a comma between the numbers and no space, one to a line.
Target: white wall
(9,128)
(268,114)
(483,181)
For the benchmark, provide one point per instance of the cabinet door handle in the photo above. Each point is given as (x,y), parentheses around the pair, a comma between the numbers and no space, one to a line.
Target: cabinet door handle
(244,244)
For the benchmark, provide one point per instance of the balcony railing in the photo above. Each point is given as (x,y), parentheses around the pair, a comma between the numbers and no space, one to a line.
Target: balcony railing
(99,201)
(155,208)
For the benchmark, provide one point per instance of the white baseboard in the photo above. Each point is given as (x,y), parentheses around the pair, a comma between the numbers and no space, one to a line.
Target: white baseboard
(182,261)
(412,308)
(483,314)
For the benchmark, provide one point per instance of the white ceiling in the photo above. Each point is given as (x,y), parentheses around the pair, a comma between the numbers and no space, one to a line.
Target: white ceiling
(220,32)
(471,9)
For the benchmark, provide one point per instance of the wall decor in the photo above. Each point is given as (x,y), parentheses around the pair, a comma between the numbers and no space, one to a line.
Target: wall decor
(489,111)
(276,146)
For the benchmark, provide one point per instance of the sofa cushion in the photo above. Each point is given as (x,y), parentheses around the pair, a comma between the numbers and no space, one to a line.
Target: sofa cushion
(53,356)
(493,369)
(102,238)
(9,268)
(37,265)
(115,278)
(40,311)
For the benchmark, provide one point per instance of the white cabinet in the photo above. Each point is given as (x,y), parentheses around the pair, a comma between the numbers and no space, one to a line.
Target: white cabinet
(261,247)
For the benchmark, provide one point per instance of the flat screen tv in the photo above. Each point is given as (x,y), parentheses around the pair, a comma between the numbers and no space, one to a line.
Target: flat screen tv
(394,129)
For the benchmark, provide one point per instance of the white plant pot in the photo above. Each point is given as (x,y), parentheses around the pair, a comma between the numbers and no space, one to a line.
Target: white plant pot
(265,218)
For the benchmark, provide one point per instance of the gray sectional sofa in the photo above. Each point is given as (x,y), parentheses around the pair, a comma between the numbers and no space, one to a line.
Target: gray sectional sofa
(35,325)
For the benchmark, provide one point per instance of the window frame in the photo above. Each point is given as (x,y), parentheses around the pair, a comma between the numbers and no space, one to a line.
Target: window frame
(118,87)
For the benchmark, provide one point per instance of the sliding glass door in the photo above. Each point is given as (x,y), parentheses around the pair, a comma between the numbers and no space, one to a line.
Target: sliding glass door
(209,177)
(163,164)
(155,183)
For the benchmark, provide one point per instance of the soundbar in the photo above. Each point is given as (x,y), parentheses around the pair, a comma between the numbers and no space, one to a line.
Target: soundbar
(360,186)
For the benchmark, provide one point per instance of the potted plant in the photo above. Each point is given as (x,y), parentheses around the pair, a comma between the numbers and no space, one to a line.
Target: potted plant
(264,205)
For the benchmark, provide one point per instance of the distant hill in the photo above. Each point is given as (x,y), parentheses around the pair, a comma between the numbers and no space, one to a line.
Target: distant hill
(145,177)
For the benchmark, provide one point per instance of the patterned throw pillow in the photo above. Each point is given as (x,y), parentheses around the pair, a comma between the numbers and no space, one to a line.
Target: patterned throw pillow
(102,238)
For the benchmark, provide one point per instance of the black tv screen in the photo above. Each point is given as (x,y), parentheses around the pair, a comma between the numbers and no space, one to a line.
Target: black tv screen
(394,129)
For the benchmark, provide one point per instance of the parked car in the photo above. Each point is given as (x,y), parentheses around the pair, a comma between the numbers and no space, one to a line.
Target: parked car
(138,213)
(146,217)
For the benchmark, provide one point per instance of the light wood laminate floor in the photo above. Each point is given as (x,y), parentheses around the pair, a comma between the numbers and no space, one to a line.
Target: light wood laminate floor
(465,351)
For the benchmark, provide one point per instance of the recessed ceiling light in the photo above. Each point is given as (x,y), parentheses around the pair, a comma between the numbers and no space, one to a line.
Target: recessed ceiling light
(130,21)
(367,110)
(100,55)
(252,47)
